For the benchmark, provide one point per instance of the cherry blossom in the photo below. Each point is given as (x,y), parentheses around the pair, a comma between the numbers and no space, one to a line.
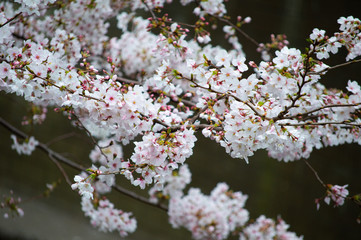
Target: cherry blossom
(107,218)
(266,228)
(337,194)
(27,147)
(155,90)
(213,216)
(85,188)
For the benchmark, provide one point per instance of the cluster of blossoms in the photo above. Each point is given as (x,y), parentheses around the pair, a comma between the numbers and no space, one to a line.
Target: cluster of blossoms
(12,204)
(107,218)
(177,87)
(337,194)
(26,147)
(349,36)
(161,154)
(266,228)
(37,115)
(209,217)
(33,6)
(174,184)
(84,187)
(222,213)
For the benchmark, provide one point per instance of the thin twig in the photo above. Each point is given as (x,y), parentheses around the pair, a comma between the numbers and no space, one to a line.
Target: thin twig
(126,80)
(10,20)
(63,137)
(51,82)
(299,94)
(150,10)
(333,105)
(43,147)
(320,124)
(92,138)
(314,172)
(297,116)
(228,95)
(336,66)
(237,29)
(194,126)
(61,169)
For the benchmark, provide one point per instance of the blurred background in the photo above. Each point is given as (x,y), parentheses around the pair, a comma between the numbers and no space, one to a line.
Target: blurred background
(274,188)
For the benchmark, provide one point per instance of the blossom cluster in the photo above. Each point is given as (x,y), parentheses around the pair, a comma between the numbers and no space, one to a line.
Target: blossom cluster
(160,154)
(33,6)
(266,228)
(158,90)
(107,218)
(85,188)
(337,194)
(209,217)
(349,36)
(26,147)
(174,184)
(11,204)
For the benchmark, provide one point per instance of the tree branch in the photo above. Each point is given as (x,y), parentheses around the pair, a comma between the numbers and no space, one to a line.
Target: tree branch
(315,172)
(320,124)
(227,94)
(91,137)
(63,137)
(297,116)
(336,66)
(252,40)
(61,169)
(52,154)
(11,19)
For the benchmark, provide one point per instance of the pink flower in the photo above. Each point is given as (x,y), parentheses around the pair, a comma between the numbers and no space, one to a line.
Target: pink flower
(85,189)
(337,194)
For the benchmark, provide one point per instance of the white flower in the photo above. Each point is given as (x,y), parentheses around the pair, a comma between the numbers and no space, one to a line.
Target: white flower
(353,87)
(27,147)
(173,27)
(85,188)
(317,34)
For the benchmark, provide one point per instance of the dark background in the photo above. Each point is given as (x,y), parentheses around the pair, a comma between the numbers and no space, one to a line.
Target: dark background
(274,188)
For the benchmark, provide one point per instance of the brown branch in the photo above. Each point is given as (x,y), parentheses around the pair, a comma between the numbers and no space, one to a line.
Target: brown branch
(11,19)
(126,80)
(130,81)
(333,105)
(195,127)
(61,169)
(49,81)
(196,116)
(63,137)
(43,147)
(315,172)
(237,29)
(182,23)
(91,137)
(228,95)
(336,66)
(150,10)
(320,124)
(299,94)
(318,109)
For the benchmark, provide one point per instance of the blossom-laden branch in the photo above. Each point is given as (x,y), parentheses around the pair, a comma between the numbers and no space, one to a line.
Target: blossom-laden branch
(338,194)
(89,134)
(336,66)
(60,158)
(321,123)
(185,86)
(10,20)
(238,29)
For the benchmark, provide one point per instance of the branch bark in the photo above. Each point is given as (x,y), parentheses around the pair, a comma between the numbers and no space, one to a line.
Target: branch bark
(60,158)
